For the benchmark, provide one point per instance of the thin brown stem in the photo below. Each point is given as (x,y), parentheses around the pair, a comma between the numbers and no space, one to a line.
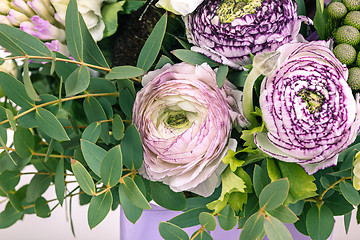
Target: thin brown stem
(332,186)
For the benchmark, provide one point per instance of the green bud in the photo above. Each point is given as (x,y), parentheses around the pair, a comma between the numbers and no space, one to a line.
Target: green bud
(352,5)
(336,10)
(347,34)
(353,19)
(354,78)
(345,53)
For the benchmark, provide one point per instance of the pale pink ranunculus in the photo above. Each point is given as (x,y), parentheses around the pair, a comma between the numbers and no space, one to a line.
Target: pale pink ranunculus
(184,121)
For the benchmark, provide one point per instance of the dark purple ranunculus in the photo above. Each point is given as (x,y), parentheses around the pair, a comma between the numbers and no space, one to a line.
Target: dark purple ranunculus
(309,110)
(228,31)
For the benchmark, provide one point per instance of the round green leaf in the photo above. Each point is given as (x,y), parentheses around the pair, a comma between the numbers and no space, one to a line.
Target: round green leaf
(9,216)
(118,127)
(319,222)
(170,231)
(274,229)
(42,208)
(92,132)
(253,227)
(99,207)
(227,218)
(284,214)
(274,194)
(208,221)
(350,193)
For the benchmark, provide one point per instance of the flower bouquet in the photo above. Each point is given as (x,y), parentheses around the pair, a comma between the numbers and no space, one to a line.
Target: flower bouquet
(237,113)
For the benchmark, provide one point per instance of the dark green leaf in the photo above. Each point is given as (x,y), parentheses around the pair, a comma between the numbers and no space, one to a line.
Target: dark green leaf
(78,81)
(109,14)
(274,229)
(50,125)
(38,185)
(9,217)
(274,194)
(92,132)
(319,222)
(347,220)
(320,19)
(83,177)
(338,204)
(74,37)
(123,72)
(15,202)
(253,227)
(111,167)
(102,85)
(227,218)
(284,214)
(349,193)
(10,116)
(166,198)
(134,194)
(126,102)
(189,218)
(131,211)
(62,68)
(20,43)
(170,231)
(15,90)
(29,88)
(301,8)
(261,179)
(193,58)
(9,180)
(93,155)
(208,221)
(60,181)
(7,163)
(131,148)
(162,61)
(132,5)
(221,75)
(42,208)
(151,48)
(99,207)
(118,127)
(24,142)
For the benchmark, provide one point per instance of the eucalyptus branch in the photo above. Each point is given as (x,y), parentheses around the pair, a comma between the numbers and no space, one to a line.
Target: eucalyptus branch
(332,186)
(62,100)
(198,232)
(39,154)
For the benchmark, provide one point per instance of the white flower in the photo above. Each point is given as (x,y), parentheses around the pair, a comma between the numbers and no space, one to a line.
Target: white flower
(179,7)
(8,66)
(91,12)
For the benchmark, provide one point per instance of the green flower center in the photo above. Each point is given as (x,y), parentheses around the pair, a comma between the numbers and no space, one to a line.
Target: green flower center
(313,100)
(232,9)
(177,119)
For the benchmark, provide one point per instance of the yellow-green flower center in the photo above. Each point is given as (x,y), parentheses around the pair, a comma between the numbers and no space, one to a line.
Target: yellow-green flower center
(177,119)
(232,9)
(313,100)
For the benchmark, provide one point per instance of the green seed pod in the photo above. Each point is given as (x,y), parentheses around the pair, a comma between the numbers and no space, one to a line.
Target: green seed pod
(353,19)
(347,34)
(352,5)
(354,78)
(336,10)
(345,53)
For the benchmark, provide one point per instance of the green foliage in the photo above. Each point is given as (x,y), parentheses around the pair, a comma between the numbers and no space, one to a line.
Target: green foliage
(123,72)
(221,75)
(170,231)
(99,207)
(109,15)
(130,146)
(208,221)
(111,167)
(83,178)
(166,198)
(274,229)
(193,58)
(189,218)
(134,194)
(319,222)
(274,194)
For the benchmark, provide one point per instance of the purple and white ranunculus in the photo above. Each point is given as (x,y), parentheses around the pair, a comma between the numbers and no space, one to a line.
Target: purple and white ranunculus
(308,108)
(184,121)
(227,31)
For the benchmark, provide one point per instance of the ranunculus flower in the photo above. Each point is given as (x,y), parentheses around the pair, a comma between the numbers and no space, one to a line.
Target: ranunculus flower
(308,108)
(91,12)
(228,31)
(184,121)
(179,7)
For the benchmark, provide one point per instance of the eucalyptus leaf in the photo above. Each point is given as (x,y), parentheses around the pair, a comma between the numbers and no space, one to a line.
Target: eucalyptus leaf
(227,218)
(170,231)
(284,214)
(50,125)
(111,167)
(208,221)
(10,116)
(83,177)
(193,58)
(74,37)
(221,75)
(189,218)
(132,212)
(15,202)
(130,148)
(118,127)
(134,194)
(98,209)
(123,72)
(319,222)
(60,181)
(92,132)
(93,155)
(166,198)
(24,142)
(29,88)
(77,81)
(260,179)
(274,229)
(9,217)
(151,48)
(9,180)
(253,227)
(42,208)
(350,193)
(274,194)
(37,186)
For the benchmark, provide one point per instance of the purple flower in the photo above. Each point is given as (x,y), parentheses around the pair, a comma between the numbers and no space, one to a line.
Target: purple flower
(184,121)
(42,29)
(308,108)
(228,31)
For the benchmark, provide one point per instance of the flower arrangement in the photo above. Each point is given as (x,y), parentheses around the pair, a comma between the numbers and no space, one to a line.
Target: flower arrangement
(237,112)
